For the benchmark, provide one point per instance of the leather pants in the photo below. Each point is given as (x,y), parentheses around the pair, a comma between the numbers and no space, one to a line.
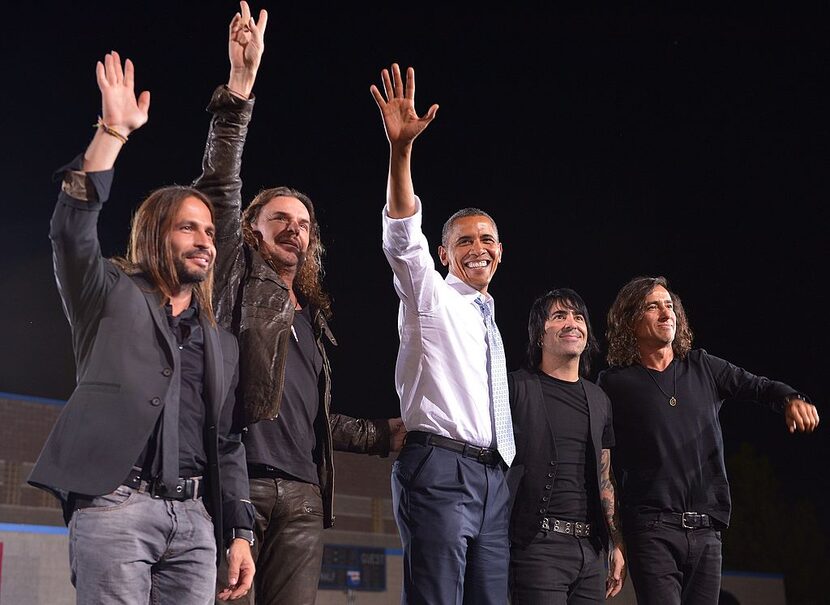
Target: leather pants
(289,542)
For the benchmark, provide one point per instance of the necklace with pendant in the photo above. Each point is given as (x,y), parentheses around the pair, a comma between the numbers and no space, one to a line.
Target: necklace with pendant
(672,399)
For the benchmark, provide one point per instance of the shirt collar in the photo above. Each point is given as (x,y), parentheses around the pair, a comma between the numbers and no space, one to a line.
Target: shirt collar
(469,293)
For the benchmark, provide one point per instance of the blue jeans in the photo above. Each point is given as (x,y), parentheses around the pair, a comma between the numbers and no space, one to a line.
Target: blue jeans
(452,514)
(128,547)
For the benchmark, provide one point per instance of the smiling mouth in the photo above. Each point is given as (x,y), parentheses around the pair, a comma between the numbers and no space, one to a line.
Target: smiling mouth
(200,259)
(477,264)
(290,244)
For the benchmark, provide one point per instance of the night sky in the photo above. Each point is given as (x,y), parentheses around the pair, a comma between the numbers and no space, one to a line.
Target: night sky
(606,145)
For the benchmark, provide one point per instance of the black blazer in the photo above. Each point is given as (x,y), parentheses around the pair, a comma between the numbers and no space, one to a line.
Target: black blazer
(531,476)
(126,361)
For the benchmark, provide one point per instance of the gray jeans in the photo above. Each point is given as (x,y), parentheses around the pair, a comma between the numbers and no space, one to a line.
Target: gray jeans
(128,547)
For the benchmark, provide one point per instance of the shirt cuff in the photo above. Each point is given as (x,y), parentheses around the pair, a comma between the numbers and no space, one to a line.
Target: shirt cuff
(85,186)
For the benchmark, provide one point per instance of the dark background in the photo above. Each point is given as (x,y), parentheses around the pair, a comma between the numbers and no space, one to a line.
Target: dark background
(606,145)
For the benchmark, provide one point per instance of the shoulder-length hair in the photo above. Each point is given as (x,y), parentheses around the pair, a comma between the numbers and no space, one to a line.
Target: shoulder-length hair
(309,279)
(149,251)
(628,308)
(539,313)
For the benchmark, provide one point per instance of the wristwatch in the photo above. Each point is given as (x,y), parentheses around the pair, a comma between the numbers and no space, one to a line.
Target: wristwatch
(243,534)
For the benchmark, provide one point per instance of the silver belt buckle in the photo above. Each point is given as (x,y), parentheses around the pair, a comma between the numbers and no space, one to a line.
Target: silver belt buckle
(196,481)
(683,519)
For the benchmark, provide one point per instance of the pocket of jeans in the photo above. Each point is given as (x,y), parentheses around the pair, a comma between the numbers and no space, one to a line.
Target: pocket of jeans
(204,511)
(117,499)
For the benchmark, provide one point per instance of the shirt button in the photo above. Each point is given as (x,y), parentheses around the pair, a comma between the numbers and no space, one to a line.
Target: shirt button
(155,401)
(167,371)
(548,486)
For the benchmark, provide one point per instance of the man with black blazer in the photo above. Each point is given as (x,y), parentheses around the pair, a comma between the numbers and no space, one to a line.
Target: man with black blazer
(144,457)
(563,497)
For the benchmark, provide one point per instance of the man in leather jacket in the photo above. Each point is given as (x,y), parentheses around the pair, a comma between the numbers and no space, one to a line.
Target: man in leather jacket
(268,292)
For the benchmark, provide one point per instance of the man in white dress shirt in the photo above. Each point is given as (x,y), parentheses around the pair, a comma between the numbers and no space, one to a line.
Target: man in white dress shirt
(450,497)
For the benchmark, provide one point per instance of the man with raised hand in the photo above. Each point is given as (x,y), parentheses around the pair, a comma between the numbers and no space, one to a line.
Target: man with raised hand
(144,453)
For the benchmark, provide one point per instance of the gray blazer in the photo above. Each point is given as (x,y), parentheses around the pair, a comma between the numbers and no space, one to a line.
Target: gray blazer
(127,365)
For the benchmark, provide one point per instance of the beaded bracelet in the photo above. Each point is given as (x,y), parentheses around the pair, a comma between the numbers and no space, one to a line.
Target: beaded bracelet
(109,130)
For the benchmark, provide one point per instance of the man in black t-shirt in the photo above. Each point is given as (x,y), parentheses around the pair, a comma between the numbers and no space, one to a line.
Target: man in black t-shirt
(564,504)
(674,494)
(269,292)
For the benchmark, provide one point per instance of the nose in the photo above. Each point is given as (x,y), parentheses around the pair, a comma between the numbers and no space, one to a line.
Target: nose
(202,239)
(293,226)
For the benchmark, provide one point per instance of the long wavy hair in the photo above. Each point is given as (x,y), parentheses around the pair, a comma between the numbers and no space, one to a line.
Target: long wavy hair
(539,313)
(149,251)
(309,280)
(628,308)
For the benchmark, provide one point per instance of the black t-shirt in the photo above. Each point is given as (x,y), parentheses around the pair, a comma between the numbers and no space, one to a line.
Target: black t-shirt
(289,442)
(574,495)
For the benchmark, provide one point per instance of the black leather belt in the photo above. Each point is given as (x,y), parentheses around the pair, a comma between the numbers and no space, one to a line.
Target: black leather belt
(688,520)
(574,528)
(191,488)
(485,455)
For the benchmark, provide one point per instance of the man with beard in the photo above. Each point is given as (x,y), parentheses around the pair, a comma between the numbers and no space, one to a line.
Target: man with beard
(669,454)
(269,293)
(144,452)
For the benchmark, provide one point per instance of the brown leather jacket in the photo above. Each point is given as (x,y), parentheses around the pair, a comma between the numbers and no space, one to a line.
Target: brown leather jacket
(252,302)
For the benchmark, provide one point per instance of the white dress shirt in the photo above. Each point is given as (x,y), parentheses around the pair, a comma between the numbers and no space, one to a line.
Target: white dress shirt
(441,371)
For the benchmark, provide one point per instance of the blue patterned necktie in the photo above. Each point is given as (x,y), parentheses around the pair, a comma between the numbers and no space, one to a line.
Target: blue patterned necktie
(497,371)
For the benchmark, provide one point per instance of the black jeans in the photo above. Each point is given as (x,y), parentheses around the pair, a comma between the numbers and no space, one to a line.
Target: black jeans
(558,569)
(670,565)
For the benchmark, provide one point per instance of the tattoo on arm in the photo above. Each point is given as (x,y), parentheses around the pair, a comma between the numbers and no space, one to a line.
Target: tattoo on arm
(608,497)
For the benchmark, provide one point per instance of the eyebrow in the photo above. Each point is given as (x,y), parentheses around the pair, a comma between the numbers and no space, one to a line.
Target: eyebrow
(283,214)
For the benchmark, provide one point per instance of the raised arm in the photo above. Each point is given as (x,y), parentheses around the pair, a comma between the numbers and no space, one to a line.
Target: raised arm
(121,112)
(246,43)
(231,109)
(616,554)
(402,125)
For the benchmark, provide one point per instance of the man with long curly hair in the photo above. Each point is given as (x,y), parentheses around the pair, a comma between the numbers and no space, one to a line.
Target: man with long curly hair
(269,293)
(668,459)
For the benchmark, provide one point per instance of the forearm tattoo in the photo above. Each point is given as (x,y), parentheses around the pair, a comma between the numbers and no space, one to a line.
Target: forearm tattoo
(607,497)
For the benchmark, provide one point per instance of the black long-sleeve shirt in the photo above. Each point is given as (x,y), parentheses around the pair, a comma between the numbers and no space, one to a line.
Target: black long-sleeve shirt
(670,458)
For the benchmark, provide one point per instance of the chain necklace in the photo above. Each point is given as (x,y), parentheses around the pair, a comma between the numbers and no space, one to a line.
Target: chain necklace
(672,399)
